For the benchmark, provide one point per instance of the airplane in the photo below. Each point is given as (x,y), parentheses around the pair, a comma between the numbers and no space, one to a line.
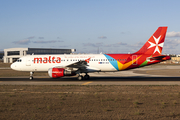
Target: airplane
(62,65)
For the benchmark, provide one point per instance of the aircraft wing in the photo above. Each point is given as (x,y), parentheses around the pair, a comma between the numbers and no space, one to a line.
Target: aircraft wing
(82,66)
(79,64)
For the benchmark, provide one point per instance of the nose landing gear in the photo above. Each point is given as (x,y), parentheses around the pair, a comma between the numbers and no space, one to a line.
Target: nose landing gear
(31,75)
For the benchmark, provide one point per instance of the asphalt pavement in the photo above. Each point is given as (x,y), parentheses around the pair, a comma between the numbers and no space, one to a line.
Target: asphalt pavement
(129,77)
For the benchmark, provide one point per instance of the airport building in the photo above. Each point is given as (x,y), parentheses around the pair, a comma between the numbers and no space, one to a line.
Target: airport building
(175,59)
(1,55)
(12,54)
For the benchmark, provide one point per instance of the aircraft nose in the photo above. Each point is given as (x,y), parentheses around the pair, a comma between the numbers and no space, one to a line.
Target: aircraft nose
(13,66)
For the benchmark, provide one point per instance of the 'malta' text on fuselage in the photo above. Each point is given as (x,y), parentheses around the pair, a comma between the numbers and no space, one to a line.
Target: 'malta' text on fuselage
(47,60)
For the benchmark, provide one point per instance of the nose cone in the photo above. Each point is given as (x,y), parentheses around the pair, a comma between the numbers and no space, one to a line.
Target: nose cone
(13,66)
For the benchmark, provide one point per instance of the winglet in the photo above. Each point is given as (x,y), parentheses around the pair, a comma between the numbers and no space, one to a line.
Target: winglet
(87,60)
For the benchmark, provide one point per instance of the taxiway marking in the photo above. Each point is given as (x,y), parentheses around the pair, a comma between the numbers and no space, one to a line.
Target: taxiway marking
(86,83)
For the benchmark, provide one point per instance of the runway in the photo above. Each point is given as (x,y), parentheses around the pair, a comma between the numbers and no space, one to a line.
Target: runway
(141,80)
(155,75)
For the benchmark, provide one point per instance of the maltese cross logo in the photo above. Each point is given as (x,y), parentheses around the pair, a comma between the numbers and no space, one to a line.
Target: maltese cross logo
(156,44)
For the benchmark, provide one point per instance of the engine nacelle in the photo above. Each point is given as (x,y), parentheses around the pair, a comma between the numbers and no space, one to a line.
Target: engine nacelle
(59,72)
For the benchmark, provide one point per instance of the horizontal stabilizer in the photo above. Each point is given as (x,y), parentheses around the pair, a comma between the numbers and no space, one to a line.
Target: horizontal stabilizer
(162,57)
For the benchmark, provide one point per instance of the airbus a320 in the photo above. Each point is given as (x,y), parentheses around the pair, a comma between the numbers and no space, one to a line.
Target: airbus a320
(62,65)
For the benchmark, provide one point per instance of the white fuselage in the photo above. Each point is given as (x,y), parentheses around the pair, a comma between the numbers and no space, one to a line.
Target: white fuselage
(97,62)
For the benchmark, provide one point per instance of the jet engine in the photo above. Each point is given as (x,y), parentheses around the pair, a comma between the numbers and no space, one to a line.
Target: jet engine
(59,72)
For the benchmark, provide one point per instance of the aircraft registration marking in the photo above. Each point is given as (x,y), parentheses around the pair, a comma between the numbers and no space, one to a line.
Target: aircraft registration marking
(86,83)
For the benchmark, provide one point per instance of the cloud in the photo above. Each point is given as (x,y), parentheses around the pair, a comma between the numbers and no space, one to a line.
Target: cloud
(48,41)
(123,32)
(171,43)
(171,46)
(102,37)
(22,42)
(121,43)
(32,37)
(92,44)
(173,34)
(41,37)
(61,46)
(64,46)
(116,44)
(101,44)
(25,41)
(138,44)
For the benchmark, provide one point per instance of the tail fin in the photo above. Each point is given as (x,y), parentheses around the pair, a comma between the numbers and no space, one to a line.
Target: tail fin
(155,43)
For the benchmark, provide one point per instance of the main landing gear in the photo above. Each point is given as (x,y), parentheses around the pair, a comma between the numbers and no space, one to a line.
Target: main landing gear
(86,77)
(31,75)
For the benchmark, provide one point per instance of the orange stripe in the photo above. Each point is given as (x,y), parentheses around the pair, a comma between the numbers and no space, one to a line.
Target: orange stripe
(129,63)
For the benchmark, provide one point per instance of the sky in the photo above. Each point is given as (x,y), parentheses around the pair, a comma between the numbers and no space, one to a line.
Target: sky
(89,26)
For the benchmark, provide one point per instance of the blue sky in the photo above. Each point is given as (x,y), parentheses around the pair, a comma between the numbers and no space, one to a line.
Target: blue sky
(115,26)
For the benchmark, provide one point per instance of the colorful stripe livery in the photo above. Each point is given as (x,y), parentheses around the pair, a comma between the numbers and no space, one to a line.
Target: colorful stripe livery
(152,48)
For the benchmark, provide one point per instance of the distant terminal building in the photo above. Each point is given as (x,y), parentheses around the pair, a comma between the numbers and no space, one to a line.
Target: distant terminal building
(12,54)
(1,55)
(175,59)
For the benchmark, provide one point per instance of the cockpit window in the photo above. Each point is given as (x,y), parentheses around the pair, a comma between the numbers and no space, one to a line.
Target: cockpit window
(19,60)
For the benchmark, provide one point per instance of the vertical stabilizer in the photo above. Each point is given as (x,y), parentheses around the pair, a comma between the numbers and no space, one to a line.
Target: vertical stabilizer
(155,43)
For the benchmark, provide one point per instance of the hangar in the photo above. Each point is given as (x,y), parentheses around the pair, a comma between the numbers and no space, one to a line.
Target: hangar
(12,54)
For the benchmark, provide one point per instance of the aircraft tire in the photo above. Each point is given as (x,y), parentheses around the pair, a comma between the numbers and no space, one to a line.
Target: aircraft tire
(31,78)
(86,77)
(80,77)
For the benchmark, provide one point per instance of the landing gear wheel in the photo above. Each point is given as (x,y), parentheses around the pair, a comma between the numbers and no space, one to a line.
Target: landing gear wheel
(30,77)
(86,77)
(80,77)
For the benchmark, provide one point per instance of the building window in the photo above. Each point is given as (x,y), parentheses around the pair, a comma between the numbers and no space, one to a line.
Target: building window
(13,53)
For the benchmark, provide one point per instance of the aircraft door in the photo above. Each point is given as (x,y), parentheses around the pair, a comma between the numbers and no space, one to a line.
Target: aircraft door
(28,62)
(134,57)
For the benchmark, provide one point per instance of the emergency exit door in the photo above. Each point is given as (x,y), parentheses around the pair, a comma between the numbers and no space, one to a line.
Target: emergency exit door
(134,60)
